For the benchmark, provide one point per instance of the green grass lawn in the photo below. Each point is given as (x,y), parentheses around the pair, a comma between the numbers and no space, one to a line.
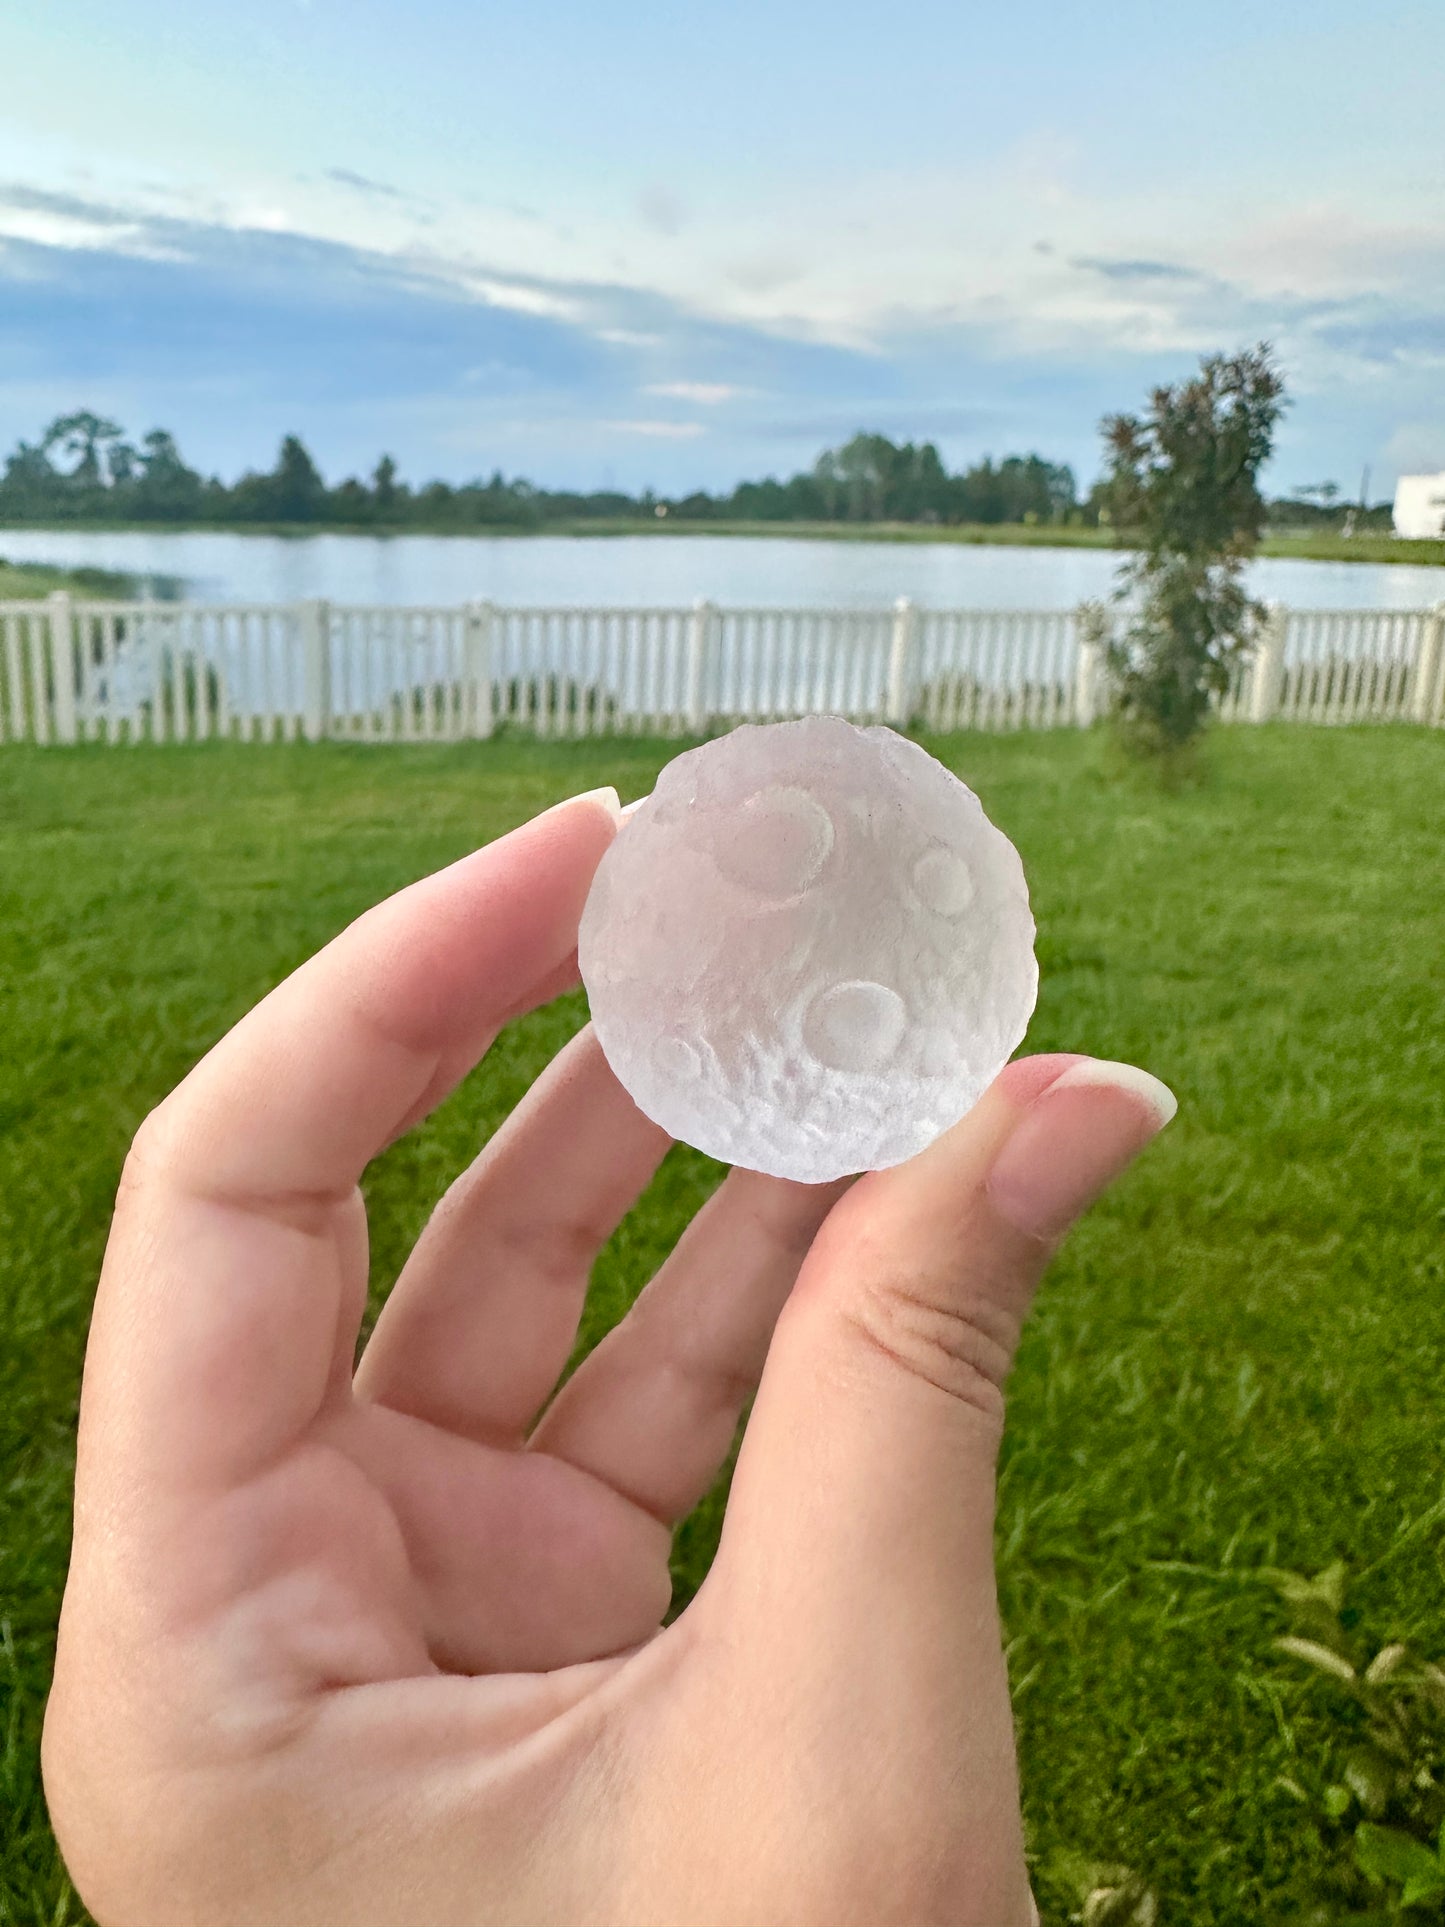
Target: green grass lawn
(27,581)
(1236,1362)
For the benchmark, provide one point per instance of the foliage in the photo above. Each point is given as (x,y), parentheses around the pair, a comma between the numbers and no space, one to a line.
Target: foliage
(1375,1791)
(1103,1895)
(1185,478)
(1236,1357)
(82,469)
(870,479)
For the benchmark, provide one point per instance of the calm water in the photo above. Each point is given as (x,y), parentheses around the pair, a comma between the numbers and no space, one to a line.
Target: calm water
(662,571)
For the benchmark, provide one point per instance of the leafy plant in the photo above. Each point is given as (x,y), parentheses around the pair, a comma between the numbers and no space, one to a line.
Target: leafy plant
(1103,1895)
(1379,1791)
(1390,1854)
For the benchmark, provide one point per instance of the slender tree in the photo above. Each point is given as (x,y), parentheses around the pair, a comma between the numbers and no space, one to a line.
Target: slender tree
(298,492)
(1183,478)
(385,493)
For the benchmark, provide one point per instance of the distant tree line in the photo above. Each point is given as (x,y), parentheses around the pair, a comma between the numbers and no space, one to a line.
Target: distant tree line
(84,468)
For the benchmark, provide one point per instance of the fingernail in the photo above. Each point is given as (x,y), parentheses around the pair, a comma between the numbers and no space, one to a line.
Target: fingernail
(605,798)
(1073,1141)
(631,809)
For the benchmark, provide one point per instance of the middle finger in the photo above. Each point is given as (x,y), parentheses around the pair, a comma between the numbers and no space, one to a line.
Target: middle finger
(484,1315)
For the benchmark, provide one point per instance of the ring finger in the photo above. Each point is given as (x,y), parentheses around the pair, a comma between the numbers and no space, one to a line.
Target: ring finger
(653,1409)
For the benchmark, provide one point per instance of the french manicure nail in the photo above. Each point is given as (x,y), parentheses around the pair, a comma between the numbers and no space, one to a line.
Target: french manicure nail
(606,798)
(1073,1140)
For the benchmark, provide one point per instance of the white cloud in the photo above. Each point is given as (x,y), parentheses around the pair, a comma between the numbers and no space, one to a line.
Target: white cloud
(663,431)
(525,300)
(59,229)
(628,338)
(707,393)
(263,216)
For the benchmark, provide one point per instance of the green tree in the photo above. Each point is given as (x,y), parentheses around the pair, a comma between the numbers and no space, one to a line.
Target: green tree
(867,467)
(385,493)
(88,438)
(165,488)
(1184,477)
(30,484)
(293,491)
(298,492)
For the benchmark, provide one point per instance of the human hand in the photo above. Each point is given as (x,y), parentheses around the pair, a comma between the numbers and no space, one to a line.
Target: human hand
(378,1647)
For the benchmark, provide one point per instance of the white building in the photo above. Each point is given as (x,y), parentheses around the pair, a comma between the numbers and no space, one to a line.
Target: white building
(1420,505)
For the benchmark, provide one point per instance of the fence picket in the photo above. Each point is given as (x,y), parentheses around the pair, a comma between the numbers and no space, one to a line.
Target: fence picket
(14,684)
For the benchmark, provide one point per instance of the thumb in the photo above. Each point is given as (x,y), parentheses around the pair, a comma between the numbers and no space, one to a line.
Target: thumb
(860,1521)
(889,1360)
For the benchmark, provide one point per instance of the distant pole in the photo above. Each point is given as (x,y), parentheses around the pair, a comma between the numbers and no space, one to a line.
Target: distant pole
(1365,487)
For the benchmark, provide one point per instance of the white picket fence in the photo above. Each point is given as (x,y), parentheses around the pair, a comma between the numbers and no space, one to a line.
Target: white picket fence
(119,672)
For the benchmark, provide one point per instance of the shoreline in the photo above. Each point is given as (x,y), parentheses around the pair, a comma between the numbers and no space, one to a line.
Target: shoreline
(1286,545)
(32,581)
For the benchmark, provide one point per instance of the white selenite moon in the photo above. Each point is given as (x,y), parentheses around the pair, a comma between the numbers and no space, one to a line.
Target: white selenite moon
(808,951)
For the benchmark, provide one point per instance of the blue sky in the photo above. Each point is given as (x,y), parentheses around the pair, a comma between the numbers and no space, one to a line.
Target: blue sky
(677,245)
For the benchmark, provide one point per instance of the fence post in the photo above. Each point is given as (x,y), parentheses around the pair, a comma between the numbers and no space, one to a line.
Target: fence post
(62,665)
(699,635)
(479,669)
(898,707)
(1426,681)
(315,616)
(1268,677)
(1087,671)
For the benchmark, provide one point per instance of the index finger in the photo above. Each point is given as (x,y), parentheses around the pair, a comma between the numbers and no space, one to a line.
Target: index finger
(235,1277)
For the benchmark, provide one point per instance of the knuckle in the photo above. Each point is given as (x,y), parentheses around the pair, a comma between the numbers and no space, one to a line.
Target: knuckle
(151,1150)
(666,1341)
(962,1347)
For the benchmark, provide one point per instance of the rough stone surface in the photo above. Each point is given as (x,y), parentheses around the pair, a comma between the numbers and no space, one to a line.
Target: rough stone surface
(809,950)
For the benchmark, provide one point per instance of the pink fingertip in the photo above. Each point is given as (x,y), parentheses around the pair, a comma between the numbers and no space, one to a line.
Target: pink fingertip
(1076,1136)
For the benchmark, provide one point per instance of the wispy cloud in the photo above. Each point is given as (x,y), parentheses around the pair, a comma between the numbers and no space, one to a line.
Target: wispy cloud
(18,198)
(708,394)
(1115,270)
(661,431)
(364,184)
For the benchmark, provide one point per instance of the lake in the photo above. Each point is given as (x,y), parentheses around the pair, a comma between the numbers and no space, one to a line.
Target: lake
(664,571)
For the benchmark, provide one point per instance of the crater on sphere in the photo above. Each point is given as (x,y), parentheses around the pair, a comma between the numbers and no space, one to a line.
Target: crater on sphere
(944,882)
(855,1026)
(777,845)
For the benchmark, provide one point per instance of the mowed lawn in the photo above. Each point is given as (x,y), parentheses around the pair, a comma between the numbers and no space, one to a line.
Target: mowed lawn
(1237,1361)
